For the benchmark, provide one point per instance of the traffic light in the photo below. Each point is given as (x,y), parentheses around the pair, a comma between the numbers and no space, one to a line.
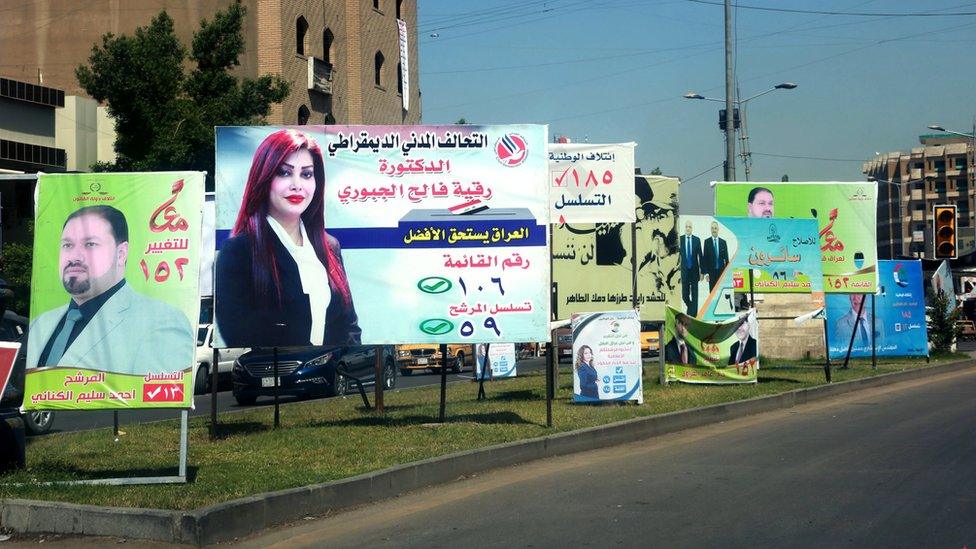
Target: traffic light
(945,232)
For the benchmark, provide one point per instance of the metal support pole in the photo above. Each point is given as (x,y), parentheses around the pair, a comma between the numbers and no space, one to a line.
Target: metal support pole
(633,262)
(857,322)
(551,358)
(380,384)
(485,368)
(215,366)
(826,347)
(874,344)
(752,292)
(184,440)
(443,380)
(729,98)
(277,415)
(660,355)
(115,423)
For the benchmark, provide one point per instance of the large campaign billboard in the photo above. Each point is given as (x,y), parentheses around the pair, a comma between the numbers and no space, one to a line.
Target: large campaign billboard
(115,291)
(697,351)
(328,233)
(593,264)
(897,317)
(590,183)
(845,212)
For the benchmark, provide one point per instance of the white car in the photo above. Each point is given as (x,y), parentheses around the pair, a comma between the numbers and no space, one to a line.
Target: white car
(201,369)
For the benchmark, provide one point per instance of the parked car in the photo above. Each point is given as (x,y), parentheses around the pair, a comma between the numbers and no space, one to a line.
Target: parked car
(308,371)
(13,327)
(427,356)
(650,346)
(226,358)
(564,343)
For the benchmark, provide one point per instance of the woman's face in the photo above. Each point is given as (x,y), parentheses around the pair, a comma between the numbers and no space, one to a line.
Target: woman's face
(292,186)
(587,355)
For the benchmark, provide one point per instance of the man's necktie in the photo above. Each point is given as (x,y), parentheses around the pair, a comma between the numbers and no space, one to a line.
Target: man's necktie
(738,356)
(61,342)
(715,243)
(863,330)
(684,354)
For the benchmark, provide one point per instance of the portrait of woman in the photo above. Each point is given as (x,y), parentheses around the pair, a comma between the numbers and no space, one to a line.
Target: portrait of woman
(280,278)
(586,373)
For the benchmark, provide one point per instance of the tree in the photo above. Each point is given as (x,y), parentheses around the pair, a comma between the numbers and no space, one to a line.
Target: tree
(657,171)
(164,115)
(785,178)
(462,121)
(943,330)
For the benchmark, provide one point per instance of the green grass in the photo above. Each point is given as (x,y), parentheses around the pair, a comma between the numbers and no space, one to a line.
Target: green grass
(322,441)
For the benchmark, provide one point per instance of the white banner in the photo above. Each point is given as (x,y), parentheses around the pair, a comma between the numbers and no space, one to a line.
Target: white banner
(404,63)
(607,357)
(591,183)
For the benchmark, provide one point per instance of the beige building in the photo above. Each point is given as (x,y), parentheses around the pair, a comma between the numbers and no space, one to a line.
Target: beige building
(911,183)
(342,57)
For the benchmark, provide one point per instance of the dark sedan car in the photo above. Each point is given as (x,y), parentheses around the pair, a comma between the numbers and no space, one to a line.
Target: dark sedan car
(13,327)
(309,371)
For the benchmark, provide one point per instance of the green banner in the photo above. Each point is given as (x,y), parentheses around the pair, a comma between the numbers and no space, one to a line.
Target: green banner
(114,294)
(711,352)
(845,212)
(592,264)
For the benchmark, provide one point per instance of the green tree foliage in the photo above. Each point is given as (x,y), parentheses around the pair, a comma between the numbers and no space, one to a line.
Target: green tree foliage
(785,178)
(657,171)
(942,326)
(15,268)
(165,111)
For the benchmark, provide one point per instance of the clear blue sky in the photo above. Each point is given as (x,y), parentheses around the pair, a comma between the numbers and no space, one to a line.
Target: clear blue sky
(616,70)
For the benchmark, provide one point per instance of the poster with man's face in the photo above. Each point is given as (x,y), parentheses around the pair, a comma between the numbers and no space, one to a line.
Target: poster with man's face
(115,291)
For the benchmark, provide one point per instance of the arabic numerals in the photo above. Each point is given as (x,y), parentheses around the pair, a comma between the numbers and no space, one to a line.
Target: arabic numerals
(839,282)
(607,177)
(161,272)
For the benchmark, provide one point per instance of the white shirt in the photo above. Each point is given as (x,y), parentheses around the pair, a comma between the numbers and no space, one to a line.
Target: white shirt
(315,279)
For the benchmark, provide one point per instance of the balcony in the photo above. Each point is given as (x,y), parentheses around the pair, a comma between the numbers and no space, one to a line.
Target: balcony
(319,76)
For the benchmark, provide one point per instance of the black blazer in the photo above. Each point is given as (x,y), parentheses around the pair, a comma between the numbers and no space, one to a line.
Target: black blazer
(708,255)
(672,355)
(246,321)
(748,352)
(693,268)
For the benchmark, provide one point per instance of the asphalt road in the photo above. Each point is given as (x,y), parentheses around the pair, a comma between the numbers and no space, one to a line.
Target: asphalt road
(887,467)
(79,421)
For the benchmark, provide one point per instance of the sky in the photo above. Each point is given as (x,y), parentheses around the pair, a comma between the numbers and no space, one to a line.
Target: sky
(607,71)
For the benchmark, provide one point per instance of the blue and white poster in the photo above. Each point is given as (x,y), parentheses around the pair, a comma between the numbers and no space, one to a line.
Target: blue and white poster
(501,361)
(898,315)
(607,357)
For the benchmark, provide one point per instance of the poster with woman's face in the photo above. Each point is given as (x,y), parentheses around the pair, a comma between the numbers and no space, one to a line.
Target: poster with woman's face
(607,357)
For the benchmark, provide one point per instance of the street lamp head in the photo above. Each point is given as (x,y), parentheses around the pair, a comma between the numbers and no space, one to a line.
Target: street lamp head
(785,86)
(936,128)
(693,95)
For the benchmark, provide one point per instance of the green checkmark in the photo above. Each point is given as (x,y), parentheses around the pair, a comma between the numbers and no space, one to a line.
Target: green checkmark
(434,285)
(436,326)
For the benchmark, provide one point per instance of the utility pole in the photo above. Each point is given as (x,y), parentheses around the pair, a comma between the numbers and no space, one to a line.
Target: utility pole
(729,98)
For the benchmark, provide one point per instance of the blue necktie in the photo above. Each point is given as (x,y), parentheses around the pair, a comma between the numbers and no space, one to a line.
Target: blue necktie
(61,342)
(715,243)
(688,249)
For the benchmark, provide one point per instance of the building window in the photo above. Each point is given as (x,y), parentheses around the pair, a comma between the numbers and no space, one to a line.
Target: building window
(376,5)
(378,68)
(399,9)
(327,39)
(400,78)
(301,35)
(303,115)
(329,119)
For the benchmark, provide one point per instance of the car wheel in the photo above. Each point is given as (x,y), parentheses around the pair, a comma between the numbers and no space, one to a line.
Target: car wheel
(458,363)
(406,371)
(245,400)
(38,422)
(201,385)
(340,383)
(389,375)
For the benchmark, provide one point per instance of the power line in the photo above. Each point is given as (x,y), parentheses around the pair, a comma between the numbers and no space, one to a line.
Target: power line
(821,158)
(696,176)
(844,13)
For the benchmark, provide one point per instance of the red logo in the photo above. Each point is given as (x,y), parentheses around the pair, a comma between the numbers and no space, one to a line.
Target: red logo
(511,150)
(162,392)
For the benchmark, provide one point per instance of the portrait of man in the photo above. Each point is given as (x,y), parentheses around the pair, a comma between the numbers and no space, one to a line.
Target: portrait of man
(106,325)
(744,347)
(691,273)
(715,256)
(678,351)
(844,326)
(760,202)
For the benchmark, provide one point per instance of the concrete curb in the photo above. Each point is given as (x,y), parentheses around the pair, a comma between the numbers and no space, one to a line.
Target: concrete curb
(241,517)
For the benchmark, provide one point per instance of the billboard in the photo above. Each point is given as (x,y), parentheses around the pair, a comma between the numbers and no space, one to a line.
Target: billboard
(592,264)
(501,361)
(718,253)
(590,183)
(607,357)
(115,281)
(898,315)
(845,212)
(698,351)
(442,228)
(942,282)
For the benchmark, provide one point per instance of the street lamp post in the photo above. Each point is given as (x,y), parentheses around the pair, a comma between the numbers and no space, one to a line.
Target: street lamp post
(731,105)
(891,236)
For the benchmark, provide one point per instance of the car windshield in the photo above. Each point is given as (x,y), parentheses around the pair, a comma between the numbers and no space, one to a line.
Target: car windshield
(201,335)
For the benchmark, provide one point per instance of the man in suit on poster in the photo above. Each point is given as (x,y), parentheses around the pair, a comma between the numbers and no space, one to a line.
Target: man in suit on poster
(715,256)
(678,351)
(744,348)
(691,272)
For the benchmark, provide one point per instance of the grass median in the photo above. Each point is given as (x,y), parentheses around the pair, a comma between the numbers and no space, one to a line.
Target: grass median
(326,440)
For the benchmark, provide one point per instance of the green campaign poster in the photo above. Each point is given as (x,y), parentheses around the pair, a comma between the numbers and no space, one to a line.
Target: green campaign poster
(114,293)
(697,351)
(845,212)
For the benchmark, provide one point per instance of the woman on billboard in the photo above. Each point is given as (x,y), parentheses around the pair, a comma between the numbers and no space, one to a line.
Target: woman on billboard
(280,278)
(587,373)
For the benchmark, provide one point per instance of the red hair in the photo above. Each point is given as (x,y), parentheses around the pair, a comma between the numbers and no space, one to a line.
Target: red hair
(252,217)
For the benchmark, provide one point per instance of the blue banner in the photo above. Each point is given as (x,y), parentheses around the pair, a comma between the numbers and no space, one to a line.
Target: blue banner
(898,315)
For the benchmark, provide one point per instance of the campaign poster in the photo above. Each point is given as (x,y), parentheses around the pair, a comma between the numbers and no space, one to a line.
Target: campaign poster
(8,357)
(115,291)
(593,264)
(607,357)
(942,282)
(590,183)
(718,253)
(416,234)
(501,360)
(697,351)
(898,315)
(845,212)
